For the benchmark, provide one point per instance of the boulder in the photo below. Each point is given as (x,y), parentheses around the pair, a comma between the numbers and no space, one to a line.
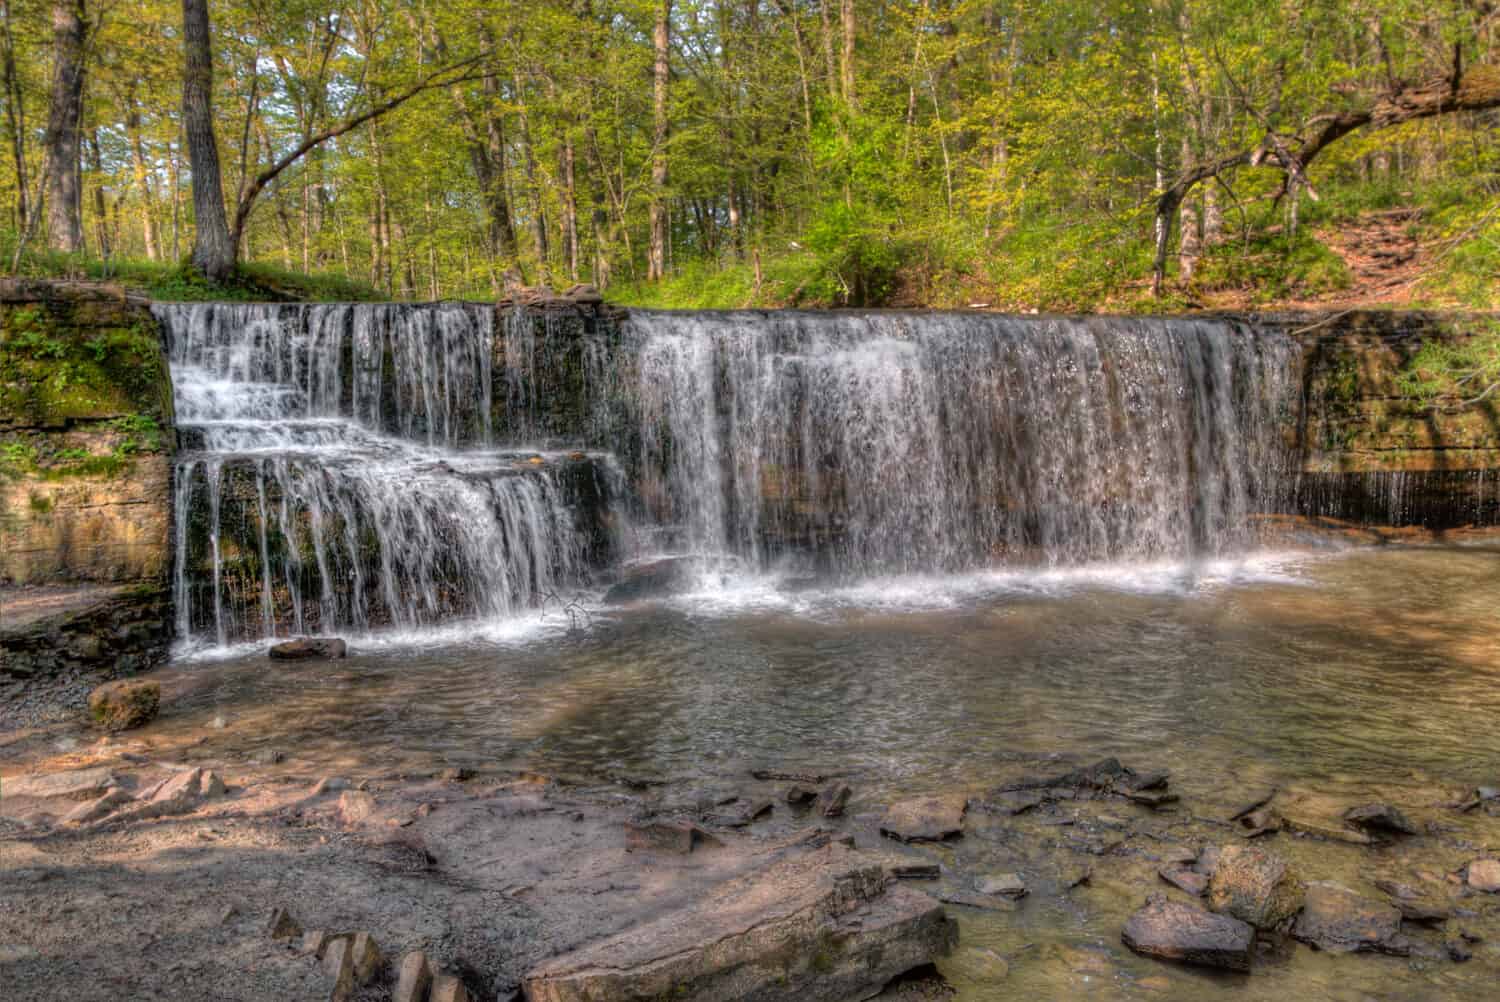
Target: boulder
(656,579)
(833,799)
(925,819)
(413,979)
(1338,920)
(821,926)
(77,784)
(125,704)
(1254,886)
(1483,875)
(310,649)
(1380,819)
(1173,930)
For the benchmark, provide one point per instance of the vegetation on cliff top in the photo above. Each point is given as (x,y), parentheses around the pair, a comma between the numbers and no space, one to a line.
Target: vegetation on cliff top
(760,152)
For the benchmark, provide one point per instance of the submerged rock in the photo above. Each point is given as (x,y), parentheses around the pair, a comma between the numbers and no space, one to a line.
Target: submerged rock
(656,579)
(1338,920)
(925,819)
(1380,819)
(1003,885)
(833,799)
(1172,930)
(310,649)
(680,837)
(1254,886)
(824,926)
(1185,879)
(1483,875)
(125,704)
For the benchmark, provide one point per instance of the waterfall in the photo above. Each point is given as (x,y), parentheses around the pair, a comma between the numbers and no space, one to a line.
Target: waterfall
(338,474)
(892,442)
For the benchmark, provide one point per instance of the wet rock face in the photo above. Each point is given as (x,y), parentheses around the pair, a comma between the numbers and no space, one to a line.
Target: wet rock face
(1254,886)
(1338,920)
(657,579)
(826,926)
(125,704)
(1172,930)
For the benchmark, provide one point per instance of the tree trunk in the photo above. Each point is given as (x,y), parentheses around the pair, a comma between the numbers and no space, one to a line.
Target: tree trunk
(1189,243)
(656,268)
(214,252)
(566,169)
(63,138)
(101,200)
(533,185)
(15,113)
(846,62)
(141,176)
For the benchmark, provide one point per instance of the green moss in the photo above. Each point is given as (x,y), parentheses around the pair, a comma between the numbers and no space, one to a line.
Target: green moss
(39,504)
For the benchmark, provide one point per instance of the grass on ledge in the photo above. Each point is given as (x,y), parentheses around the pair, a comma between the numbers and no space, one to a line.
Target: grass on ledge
(253,281)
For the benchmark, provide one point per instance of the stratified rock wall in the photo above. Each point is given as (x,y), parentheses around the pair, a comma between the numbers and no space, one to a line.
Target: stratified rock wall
(86,437)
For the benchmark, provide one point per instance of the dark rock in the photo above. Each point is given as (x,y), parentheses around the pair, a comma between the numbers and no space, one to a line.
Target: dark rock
(1143,781)
(925,819)
(800,777)
(310,649)
(656,579)
(1380,819)
(1254,886)
(1151,798)
(800,796)
(1261,821)
(1252,804)
(913,869)
(1184,879)
(833,799)
(125,704)
(1338,920)
(755,809)
(1458,951)
(824,926)
(1171,930)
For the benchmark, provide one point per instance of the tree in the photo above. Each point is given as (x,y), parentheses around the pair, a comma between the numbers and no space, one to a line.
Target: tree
(214,251)
(661,76)
(62,143)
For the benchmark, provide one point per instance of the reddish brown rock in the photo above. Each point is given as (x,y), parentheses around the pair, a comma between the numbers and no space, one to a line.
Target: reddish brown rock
(1172,930)
(925,819)
(1338,920)
(125,704)
(1254,886)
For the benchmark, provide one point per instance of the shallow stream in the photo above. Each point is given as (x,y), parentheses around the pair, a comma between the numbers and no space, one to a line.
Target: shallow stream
(1335,677)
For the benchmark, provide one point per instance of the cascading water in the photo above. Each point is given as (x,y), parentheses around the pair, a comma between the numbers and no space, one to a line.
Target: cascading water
(890,442)
(322,486)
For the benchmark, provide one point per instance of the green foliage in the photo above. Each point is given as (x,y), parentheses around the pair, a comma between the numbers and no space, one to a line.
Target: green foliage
(1461,368)
(1274,269)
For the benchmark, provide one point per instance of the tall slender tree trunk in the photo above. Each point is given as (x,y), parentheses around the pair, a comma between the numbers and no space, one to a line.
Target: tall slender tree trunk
(101,200)
(533,185)
(567,170)
(656,268)
(141,176)
(63,140)
(846,59)
(214,251)
(15,116)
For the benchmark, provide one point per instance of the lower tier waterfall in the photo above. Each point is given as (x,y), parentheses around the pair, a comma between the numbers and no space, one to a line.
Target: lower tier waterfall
(336,475)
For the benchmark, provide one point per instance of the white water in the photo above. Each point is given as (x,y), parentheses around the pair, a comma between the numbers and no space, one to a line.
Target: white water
(323,487)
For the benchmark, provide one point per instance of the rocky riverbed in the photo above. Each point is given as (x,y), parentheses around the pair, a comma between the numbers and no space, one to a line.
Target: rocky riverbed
(157,864)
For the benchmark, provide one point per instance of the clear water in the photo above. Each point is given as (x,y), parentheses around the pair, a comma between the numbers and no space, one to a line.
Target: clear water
(1339,677)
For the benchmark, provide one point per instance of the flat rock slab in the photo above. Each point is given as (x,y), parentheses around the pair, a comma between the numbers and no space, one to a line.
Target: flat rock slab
(1338,920)
(78,784)
(1172,930)
(925,819)
(310,649)
(1484,875)
(825,925)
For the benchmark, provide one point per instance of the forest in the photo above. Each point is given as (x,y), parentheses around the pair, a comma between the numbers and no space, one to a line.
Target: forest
(1119,155)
